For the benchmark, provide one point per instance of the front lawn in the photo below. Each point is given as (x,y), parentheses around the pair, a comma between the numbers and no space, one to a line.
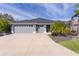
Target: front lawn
(71,44)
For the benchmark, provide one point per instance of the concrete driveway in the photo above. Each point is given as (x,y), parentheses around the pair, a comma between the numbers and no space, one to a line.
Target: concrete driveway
(31,45)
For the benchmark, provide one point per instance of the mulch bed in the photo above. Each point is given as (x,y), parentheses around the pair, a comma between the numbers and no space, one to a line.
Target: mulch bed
(60,38)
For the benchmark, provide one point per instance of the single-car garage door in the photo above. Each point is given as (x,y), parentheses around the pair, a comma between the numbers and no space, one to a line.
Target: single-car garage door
(40,28)
(24,28)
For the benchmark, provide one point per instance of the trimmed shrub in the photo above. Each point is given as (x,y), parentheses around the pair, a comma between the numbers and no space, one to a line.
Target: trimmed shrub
(4,25)
(59,28)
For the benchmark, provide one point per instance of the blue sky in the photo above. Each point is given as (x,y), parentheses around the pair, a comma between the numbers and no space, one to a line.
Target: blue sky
(53,11)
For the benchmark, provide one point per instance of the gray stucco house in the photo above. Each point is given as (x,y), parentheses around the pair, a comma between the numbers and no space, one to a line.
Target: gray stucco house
(38,25)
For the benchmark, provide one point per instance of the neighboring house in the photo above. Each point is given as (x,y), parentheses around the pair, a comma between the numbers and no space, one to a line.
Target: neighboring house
(38,25)
(75,23)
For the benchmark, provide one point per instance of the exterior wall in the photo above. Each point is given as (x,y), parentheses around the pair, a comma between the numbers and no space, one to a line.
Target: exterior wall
(74,27)
(75,20)
(12,28)
(34,30)
(75,24)
(78,29)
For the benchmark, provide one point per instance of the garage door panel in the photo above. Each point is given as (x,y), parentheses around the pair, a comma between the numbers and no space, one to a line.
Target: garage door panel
(41,29)
(24,29)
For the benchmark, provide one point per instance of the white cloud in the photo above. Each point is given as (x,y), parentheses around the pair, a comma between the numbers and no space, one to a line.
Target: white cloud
(52,8)
(66,6)
(15,11)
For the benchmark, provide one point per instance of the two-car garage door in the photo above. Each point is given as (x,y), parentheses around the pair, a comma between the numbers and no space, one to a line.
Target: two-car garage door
(24,29)
(28,29)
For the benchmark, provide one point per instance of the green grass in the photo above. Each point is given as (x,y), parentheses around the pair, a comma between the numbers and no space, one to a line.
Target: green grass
(71,44)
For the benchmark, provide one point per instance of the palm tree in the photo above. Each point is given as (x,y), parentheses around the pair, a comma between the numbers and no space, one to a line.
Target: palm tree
(77,10)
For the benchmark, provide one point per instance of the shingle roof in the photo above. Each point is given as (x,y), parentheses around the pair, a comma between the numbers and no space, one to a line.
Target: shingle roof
(37,20)
(41,20)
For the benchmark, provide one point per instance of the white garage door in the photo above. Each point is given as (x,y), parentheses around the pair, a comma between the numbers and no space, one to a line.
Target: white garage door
(24,29)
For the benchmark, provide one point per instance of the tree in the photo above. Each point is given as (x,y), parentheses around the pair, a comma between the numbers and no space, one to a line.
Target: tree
(5,21)
(4,25)
(7,16)
(59,28)
(77,10)
(77,5)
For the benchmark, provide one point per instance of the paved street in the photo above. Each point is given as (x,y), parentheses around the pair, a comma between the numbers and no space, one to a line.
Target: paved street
(31,45)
